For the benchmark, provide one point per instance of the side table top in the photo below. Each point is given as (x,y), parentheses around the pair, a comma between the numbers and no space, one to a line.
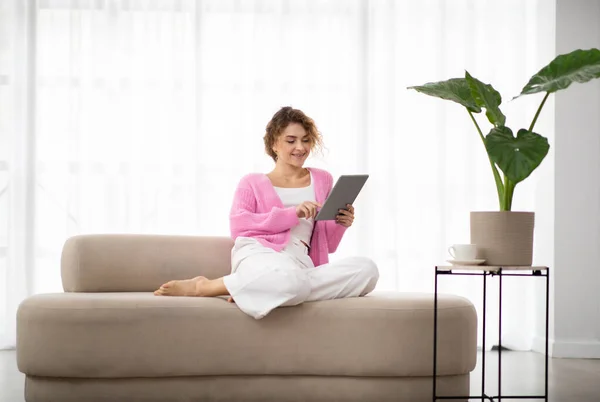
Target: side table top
(490,268)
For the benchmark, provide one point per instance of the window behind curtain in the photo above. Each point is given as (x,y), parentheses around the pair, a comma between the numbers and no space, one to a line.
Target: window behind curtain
(148,113)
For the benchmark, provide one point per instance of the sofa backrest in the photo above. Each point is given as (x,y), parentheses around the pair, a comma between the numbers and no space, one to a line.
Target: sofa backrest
(140,263)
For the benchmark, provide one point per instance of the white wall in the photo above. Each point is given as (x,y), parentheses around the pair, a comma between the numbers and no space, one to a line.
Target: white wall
(544,199)
(575,192)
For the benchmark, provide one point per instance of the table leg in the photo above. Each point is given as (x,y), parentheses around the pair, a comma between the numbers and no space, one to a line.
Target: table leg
(547,333)
(483,338)
(435,310)
(500,334)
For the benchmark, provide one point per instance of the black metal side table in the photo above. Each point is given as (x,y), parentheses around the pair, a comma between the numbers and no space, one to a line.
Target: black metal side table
(485,271)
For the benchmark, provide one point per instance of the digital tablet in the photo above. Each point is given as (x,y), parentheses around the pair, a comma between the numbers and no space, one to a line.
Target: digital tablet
(344,192)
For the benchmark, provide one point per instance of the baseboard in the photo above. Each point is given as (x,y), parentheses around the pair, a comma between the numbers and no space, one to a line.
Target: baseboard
(573,350)
(539,345)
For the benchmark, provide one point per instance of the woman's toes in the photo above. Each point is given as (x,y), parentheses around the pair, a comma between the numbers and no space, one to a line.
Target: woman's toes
(164,289)
(187,287)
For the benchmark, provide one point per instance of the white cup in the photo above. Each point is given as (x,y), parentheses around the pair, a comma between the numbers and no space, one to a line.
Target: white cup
(463,252)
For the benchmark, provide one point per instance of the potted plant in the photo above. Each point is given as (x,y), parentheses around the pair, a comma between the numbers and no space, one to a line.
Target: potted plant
(505,237)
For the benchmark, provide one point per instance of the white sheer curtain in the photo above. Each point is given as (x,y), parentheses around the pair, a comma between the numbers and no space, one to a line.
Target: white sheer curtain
(140,116)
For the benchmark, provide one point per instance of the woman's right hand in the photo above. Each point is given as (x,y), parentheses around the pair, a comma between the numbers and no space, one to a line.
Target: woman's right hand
(308,209)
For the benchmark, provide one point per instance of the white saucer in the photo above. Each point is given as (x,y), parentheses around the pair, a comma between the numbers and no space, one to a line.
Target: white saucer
(469,262)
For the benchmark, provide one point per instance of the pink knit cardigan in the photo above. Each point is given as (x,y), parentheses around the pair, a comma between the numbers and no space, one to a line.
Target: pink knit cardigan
(258,212)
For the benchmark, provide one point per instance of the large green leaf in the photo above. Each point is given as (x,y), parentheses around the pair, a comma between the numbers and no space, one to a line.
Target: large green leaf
(454,89)
(486,97)
(516,157)
(578,66)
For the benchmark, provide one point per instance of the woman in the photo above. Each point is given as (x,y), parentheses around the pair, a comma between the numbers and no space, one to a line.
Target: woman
(280,254)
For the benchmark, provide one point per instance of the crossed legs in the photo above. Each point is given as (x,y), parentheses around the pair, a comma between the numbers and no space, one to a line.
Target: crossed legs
(265,281)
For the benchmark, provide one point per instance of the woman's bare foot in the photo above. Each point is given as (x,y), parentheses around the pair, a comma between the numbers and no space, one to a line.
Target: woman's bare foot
(198,286)
(188,287)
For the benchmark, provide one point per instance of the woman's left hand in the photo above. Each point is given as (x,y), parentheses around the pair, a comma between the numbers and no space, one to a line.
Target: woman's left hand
(345,217)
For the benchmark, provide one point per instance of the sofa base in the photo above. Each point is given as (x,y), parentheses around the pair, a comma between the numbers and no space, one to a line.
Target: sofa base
(243,389)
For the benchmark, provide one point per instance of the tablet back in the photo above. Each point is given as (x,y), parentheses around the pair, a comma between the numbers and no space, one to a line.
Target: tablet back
(344,192)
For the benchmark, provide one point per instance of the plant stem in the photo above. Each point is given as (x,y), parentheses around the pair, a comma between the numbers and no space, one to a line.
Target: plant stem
(477,126)
(538,111)
(497,178)
(509,187)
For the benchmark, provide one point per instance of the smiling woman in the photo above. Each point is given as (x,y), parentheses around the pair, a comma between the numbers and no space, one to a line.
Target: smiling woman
(280,255)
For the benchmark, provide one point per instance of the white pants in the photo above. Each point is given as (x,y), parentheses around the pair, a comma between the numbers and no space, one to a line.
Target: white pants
(263,279)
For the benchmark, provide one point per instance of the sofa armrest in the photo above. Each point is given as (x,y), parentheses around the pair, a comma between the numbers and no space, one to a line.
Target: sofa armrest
(140,263)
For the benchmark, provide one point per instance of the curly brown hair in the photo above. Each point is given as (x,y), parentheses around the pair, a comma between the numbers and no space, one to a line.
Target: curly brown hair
(284,117)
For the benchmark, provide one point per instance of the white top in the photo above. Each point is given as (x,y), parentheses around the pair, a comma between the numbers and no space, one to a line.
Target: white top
(291,197)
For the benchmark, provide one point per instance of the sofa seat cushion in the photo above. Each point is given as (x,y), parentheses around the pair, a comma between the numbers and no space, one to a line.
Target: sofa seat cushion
(120,335)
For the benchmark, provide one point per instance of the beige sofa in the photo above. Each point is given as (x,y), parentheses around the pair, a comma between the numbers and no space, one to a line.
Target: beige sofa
(108,338)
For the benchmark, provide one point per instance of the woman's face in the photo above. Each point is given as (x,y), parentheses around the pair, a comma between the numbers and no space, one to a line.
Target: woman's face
(293,145)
